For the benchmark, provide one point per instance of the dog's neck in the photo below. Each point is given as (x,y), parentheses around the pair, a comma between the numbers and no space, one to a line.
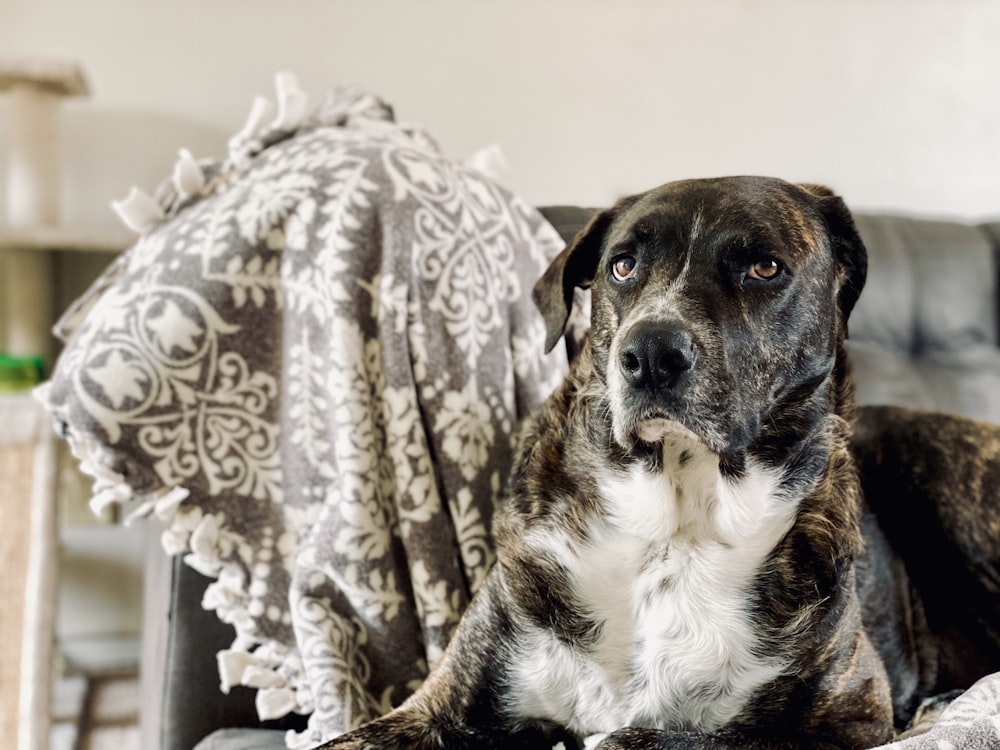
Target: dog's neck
(690,497)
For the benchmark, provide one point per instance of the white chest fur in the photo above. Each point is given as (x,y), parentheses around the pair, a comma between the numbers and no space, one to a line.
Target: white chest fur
(666,571)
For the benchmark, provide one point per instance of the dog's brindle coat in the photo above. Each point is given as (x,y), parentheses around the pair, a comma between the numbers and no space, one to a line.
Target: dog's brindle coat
(685,559)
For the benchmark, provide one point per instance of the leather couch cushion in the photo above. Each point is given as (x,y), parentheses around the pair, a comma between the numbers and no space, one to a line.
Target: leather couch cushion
(966,383)
(243,739)
(882,375)
(932,285)
(962,382)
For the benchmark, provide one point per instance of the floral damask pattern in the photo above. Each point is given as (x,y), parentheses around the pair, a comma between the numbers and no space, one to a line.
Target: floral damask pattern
(314,372)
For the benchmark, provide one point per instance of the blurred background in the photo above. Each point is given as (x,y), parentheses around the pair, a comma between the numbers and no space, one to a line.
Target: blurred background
(893,103)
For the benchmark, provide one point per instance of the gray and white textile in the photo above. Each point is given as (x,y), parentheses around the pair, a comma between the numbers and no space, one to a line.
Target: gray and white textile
(313,369)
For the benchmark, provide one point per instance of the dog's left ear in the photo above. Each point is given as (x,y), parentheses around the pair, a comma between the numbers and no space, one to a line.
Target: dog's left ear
(573,267)
(847,245)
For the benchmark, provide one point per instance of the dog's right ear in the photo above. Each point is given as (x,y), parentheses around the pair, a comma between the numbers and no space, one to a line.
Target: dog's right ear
(573,267)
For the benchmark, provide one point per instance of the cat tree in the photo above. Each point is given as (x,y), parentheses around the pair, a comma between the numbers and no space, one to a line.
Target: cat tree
(33,90)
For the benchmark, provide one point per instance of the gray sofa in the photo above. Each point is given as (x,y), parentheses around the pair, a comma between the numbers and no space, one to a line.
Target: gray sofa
(924,334)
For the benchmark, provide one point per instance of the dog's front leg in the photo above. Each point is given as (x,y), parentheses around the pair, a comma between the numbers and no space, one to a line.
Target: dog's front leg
(851,711)
(655,739)
(460,705)
(406,729)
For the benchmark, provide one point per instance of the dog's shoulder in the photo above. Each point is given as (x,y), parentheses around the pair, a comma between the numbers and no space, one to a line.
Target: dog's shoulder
(552,480)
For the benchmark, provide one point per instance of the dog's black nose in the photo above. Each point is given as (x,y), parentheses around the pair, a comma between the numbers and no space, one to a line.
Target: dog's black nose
(656,355)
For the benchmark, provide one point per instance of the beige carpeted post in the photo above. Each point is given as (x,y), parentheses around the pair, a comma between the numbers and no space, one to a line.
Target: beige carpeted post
(16,470)
(27,570)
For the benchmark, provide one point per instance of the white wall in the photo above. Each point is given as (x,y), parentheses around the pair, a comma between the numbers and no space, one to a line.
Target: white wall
(896,103)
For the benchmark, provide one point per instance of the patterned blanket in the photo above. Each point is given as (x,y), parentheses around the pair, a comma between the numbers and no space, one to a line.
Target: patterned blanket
(312,366)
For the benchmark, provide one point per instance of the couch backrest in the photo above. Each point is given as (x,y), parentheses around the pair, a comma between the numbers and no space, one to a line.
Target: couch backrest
(932,286)
(925,332)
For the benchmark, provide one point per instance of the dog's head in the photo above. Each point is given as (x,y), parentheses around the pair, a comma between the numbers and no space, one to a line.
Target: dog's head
(714,303)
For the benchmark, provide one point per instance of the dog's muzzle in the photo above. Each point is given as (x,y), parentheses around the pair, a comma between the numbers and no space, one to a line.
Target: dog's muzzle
(657,356)
(653,382)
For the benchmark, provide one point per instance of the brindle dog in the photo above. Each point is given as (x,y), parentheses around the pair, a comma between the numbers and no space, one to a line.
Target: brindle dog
(685,557)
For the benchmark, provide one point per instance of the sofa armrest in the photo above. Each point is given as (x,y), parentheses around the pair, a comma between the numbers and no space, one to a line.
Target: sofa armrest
(183,638)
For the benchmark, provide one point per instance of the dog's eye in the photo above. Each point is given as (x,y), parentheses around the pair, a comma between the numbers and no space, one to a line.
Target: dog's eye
(623,267)
(764,270)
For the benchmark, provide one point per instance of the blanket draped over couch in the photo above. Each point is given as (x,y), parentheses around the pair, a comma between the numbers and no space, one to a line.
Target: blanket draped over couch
(312,366)
(313,371)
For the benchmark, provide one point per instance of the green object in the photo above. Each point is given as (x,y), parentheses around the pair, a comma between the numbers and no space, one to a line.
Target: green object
(20,373)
